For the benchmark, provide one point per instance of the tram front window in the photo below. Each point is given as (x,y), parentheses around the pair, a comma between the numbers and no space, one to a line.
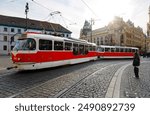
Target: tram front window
(25,44)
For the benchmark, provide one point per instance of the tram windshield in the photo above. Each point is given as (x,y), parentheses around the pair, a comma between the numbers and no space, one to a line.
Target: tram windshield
(25,44)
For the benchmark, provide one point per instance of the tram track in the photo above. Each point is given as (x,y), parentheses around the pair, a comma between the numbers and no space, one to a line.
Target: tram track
(62,91)
(65,91)
(16,82)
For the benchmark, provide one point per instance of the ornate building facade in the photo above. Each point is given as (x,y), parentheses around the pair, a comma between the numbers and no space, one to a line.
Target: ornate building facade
(118,32)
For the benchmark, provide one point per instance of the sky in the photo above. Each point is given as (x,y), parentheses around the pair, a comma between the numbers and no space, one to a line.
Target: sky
(75,12)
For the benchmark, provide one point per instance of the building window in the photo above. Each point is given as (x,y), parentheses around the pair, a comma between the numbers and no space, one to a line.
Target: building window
(94,40)
(12,30)
(5,38)
(5,29)
(97,42)
(101,40)
(5,47)
(19,31)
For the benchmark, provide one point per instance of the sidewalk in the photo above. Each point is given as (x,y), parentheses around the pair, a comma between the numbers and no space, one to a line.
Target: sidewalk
(136,88)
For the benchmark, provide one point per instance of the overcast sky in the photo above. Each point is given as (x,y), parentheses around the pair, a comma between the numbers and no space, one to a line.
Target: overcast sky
(75,12)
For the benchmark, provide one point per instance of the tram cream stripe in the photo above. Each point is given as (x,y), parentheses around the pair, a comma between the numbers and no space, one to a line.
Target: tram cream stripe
(114,86)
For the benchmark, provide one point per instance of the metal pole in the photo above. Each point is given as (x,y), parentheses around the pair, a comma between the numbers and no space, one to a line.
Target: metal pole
(26,19)
(26,12)
(91,28)
(145,46)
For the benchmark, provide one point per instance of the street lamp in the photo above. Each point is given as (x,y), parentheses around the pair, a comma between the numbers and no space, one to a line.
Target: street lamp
(26,12)
(145,47)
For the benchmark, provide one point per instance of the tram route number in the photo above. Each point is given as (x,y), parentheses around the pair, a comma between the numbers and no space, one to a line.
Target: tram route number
(106,107)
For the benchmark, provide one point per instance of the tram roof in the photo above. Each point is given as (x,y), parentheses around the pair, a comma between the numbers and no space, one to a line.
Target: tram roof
(57,38)
(116,46)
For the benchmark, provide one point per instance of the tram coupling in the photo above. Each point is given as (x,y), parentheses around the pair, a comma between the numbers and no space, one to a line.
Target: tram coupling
(8,68)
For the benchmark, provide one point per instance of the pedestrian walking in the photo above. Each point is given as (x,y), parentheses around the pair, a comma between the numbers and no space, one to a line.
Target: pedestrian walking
(136,64)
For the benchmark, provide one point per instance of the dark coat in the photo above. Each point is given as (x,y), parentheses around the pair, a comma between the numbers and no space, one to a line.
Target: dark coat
(136,60)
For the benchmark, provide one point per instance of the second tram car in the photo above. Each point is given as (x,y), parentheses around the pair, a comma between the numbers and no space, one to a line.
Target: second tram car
(37,51)
(115,51)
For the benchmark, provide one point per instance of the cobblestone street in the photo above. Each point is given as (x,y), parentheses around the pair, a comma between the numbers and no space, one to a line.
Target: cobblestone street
(5,61)
(98,79)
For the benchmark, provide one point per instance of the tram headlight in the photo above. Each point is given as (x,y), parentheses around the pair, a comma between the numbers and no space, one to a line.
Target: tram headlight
(19,59)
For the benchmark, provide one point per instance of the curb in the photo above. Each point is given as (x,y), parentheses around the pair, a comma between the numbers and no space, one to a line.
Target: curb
(114,86)
(2,70)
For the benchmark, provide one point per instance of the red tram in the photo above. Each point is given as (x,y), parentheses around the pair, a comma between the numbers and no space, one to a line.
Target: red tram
(36,51)
(115,51)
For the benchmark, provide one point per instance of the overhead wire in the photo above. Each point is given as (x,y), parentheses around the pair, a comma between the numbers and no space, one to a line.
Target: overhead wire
(45,17)
(51,11)
(41,5)
(89,7)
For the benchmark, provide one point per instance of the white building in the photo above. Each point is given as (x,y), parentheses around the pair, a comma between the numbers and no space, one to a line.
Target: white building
(13,26)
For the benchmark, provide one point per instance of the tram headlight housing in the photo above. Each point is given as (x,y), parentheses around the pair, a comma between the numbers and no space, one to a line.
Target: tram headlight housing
(19,59)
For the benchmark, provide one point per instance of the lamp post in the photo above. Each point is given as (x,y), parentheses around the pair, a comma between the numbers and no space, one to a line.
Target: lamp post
(145,53)
(26,12)
(92,23)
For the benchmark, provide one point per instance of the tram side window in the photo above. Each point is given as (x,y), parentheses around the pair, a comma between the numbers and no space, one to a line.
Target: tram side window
(117,50)
(81,49)
(90,48)
(75,49)
(86,49)
(107,49)
(58,45)
(126,50)
(99,49)
(102,49)
(112,49)
(45,45)
(94,48)
(129,50)
(68,46)
(136,50)
(133,50)
(121,50)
